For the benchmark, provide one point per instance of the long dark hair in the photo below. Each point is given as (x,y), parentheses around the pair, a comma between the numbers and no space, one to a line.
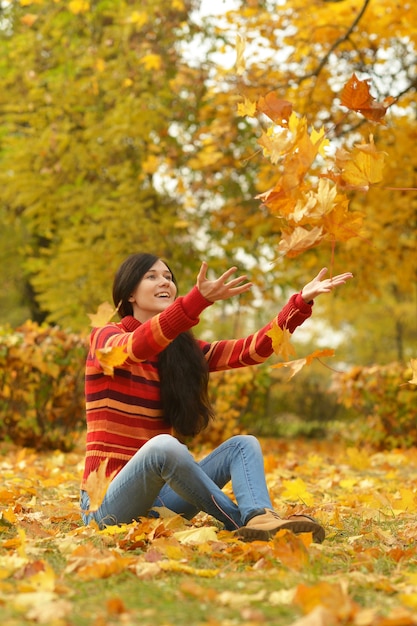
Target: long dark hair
(183,370)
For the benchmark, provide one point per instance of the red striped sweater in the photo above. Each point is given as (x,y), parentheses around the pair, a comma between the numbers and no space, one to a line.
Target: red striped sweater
(124,410)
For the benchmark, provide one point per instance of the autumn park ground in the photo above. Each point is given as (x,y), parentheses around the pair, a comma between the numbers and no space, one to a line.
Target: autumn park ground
(166,572)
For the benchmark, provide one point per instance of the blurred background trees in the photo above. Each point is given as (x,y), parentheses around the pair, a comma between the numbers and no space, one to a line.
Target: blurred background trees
(119,132)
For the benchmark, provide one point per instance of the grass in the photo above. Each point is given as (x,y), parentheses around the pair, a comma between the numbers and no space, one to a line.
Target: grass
(55,571)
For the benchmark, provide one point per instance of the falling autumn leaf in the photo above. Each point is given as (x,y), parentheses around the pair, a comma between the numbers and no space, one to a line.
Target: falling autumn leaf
(275,143)
(97,484)
(246,108)
(281,341)
(356,96)
(297,365)
(299,240)
(341,224)
(111,357)
(361,167)
(315,204)
(103,315)
(275,108)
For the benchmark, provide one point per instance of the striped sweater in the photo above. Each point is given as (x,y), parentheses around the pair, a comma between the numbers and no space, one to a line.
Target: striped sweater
(124,410)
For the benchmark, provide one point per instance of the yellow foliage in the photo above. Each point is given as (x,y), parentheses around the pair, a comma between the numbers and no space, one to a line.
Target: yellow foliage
(79,6)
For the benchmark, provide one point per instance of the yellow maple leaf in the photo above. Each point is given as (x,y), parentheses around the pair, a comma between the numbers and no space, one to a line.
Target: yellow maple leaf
(318,138)
(97,484)
(362,167)
(300,239)
(281,343)
(296,490)
(103,315)
(111,357)
(246,108)
(413,365)
(314,204)
(197,535)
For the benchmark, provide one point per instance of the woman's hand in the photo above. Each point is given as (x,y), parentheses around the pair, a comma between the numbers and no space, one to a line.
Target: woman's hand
(220,289)
(319,284)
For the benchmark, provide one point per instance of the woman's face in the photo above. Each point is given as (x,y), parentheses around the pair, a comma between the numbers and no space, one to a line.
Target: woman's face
(154,293)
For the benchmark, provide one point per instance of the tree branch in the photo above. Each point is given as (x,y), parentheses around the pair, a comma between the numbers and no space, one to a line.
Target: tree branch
(337,43)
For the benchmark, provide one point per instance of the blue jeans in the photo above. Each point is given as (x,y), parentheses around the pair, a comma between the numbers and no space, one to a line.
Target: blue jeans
(164,473)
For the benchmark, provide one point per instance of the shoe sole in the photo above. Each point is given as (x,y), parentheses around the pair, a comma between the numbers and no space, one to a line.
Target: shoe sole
(296,526)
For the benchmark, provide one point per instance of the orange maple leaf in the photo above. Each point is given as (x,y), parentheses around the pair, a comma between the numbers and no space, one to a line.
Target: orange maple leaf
(298,364)
(273,107)
(341,224)
(278,201)
(281,343)
(356,96)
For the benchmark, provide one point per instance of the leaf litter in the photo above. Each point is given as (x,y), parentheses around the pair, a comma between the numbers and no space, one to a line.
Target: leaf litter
(364,574)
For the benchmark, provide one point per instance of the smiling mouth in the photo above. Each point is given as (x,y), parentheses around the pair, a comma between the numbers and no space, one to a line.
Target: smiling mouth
(163,294)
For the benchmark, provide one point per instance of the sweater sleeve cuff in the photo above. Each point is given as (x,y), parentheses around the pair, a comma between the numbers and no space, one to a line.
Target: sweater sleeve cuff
(302,305)
(194,303)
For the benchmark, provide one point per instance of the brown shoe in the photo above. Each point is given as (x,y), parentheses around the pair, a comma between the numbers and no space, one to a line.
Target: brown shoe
(264,525)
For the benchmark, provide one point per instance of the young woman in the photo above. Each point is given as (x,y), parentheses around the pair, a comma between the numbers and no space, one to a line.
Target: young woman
(161,389)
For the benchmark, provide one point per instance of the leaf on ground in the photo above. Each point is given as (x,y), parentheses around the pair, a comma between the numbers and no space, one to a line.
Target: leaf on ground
(89,562)
(290,549)
(175,566)
(328,595)
(320,616)
(197,535)
(296,490)
(240,600)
